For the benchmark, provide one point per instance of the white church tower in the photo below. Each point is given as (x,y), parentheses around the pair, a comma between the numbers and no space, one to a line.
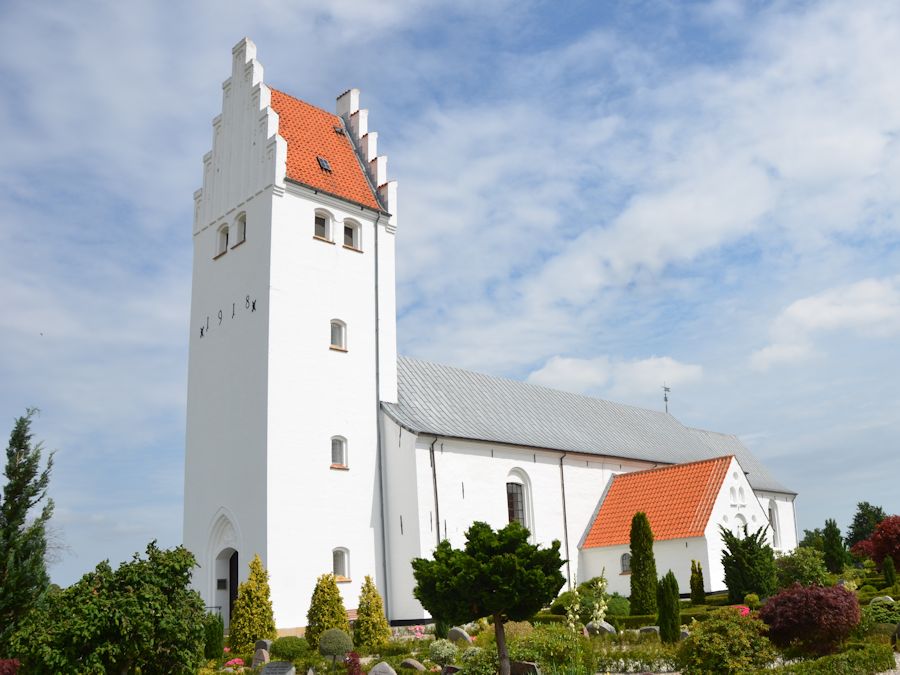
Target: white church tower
(292,346)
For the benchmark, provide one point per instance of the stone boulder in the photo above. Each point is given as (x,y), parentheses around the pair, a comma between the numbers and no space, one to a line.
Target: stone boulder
(523,668)
(382,668)
(459,634)
(412,664)
(449,670)
(602,628)
(882,598)
(649,629)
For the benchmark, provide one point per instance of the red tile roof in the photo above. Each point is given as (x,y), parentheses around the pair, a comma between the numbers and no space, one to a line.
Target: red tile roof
(678,501)
(310,134)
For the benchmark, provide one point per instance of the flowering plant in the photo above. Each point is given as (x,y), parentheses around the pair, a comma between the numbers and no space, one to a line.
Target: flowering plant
(743,609)
(418,632)
(235,663)
(227,650)
(572,610)
(599,612)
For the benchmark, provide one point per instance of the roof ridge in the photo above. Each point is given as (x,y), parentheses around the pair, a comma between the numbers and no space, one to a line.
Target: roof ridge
(300,100)
(670,467)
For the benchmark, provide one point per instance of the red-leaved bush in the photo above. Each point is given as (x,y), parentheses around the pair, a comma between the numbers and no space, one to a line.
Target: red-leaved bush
(811,620)
(885,540)
(9,666)
(863,549)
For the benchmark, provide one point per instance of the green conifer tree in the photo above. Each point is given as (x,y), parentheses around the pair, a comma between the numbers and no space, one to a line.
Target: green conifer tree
(833,547)
(23,537)
(326,610)
(698,593)
(371,628)
(251,617)
(749,564)
(890,573)
(643,566)
(669,603)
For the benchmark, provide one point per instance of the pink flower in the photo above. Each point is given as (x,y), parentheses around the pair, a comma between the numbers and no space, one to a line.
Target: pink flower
(743,609)
(227,650)
(235,662)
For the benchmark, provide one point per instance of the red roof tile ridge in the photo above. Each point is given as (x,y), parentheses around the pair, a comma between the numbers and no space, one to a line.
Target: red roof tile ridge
(669,467)
(300,100)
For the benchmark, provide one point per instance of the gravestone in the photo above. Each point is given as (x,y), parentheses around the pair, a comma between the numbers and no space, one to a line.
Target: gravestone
(382,668)
(279,668)
(882,598)
(649,629)
(450,670)
(458,634)
(601,628)
(523,668)
(412,664)
(260,657)
(263,644)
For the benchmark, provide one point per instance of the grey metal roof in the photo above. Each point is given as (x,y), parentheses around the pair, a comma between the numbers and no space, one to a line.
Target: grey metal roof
(445,401)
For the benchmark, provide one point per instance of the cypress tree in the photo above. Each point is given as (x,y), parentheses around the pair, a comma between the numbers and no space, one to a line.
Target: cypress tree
(643,566)
(371,628)
(669,603)
(698,593)
(23,542)
(251,617)
(890,573)
(833,547)
(749,564)
(326,610)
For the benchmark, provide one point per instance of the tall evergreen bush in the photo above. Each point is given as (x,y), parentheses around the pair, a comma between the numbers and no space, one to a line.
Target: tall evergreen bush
(371,628)
(889,571)
(698,593)
(643,566)
(251,617)
(669,603)
(833,548)
(214,636)
(326,610)
(749,564)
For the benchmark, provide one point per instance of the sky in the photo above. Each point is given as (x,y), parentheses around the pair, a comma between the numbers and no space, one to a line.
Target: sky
(598,197)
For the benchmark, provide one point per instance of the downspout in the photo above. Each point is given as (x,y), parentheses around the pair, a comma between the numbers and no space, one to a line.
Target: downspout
(379,444)
(437,507)
(562,485)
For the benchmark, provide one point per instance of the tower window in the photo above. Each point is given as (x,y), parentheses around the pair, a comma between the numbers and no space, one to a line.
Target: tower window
(515,502)
(222,241)
(240,229)
(339,452)
(338,335)
(322,226)
(340,564)
(352,235)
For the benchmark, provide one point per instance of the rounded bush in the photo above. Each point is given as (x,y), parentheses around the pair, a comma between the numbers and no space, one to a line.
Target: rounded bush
(727,643)
(290,648)
(335,642)
(616,605)
(214,636)
(811,620)
(442,652)
(751,600)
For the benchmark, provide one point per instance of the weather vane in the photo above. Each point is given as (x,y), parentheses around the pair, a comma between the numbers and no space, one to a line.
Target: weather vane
(666,391)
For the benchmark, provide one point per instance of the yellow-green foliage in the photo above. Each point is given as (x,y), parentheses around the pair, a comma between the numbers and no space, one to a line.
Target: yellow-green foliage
(326,610)
(251,617)
(371,628)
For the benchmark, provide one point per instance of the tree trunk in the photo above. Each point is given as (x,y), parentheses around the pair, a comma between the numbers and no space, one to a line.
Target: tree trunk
(501,644)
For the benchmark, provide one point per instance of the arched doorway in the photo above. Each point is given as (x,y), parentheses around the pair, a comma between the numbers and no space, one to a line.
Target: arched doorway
(226,583)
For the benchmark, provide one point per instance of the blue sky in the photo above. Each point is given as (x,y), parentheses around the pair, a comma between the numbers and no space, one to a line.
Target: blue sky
(704,194)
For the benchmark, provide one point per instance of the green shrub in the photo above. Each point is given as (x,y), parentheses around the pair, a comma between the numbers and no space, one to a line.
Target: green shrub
(547,617)
(749,564)
(552,646)
(326,610)
(335,643)
(725,643)
(394,648)
(442,652)
(251,617)
(289,648)
(698,594)
(882,612)
(477,661)
(616,605)
(441,628)
(889,571)
(643,565)
(751,600)
(213,636)
(669,618)
(647,654)
(864,661)
(803,565)
(868,589)
(371,628)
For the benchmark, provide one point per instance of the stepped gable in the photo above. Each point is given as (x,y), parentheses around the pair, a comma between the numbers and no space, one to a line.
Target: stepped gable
(678,501)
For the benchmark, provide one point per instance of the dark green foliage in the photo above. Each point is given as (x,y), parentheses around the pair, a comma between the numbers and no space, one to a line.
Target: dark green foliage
(553,646)
(334,643)
(868,659)
(726,643)
(749,564)
(889,572)
(833,548)
(813,539)
(802,566)
(587,601)
(669,604)
(698,594)
(326,610)
(882,612)
(864,522)
(616,605)
(643,566)
(811,620)
(289,648)
(214,636)
(141,616)
(441,628)
(498,574)
(23,540)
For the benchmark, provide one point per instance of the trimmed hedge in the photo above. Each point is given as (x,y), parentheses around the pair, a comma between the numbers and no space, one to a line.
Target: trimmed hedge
(639,620)
(547,617)
(864,661)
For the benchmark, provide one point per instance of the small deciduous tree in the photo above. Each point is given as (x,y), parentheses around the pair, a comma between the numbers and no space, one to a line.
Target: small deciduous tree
(805,566)
(749,564)
(643,566)
(326,610)
(23,542)
(813,539)
(498,574)
(886,540)
(811,620)
(142,617)
(833,547)
(865,520)
(698,593)
(371,628)
(251,616)
(669,604)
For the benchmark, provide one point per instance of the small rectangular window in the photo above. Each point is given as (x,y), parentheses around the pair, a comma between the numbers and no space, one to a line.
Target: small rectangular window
(349,238)
(321,227)
(337,452)
(323,164)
